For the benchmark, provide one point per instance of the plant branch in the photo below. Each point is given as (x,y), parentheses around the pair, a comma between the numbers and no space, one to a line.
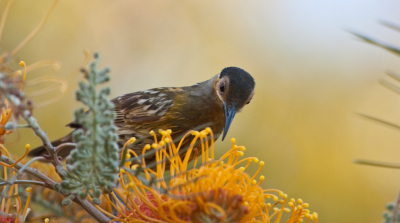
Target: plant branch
(49,183)
(26,115)
(30,182)
(62,146)
(396,209)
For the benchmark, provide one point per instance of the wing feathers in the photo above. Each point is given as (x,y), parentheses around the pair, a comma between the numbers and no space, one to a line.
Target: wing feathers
(143,106)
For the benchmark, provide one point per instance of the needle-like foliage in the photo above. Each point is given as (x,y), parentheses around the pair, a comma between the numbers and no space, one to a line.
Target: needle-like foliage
(392,212)
(94,165)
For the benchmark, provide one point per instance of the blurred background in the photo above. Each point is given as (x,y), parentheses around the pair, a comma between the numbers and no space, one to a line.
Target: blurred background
(311,78)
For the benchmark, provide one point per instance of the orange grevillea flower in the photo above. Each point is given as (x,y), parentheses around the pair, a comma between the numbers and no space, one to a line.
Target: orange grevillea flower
(5,116)
(6,111)
(215,190)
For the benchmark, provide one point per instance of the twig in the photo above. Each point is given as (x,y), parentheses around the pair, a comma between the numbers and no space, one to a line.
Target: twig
(30,182)
(92,210)
(62,146)
(20,170)
(26,115)
(11,93)
(396,209)
(49,183)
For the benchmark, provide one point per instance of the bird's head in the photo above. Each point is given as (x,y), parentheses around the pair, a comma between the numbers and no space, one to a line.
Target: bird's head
(235,88)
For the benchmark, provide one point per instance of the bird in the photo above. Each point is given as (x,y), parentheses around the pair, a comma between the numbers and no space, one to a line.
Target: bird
(212,103)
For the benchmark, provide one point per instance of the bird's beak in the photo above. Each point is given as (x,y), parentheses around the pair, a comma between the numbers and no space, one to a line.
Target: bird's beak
(230,113)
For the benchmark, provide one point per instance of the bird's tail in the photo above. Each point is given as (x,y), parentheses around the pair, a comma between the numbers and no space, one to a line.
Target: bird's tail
(41,150)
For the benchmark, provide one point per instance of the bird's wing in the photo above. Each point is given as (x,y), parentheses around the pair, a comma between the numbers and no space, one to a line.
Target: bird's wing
(139,107)
(142,106)
(139,112)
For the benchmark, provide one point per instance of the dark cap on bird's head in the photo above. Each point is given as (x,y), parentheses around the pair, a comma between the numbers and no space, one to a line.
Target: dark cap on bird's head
(235,88)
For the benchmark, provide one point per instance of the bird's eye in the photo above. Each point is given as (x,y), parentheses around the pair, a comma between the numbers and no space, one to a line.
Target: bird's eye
(248,103)
(222,87)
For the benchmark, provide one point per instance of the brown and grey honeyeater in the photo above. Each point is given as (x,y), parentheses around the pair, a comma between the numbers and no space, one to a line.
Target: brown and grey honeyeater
(212,103)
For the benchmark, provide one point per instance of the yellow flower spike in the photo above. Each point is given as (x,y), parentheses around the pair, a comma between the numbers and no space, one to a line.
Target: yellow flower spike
(127,164)
(195,133)
(167,140)
(46,220)
(275,209)
(305,205)
(169,131)
(268,204)
(154,146)
(261,180)
(306,210)
(134,167)
(203,134)
(287,210)
(300,201)
(255,160)
(299,207)
(27,147)
(275,198)
(292,200)
(290,204)
(233,141)
(121,170)
(131,140)
(259,169)
(242,169)
(19,205)
(152,133)
(280,193)
(22,63)
(242,148)
(254,182)
(240,153)
(29,190)
(284,196)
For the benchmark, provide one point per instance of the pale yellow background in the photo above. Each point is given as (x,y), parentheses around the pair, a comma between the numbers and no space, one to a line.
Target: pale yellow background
(311,76)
